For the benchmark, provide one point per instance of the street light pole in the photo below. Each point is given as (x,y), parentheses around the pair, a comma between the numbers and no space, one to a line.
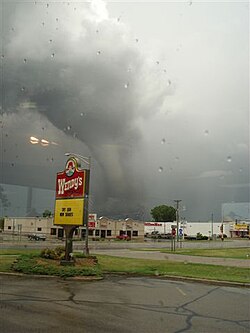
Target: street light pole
(86,160)
(212,226)
(177,217)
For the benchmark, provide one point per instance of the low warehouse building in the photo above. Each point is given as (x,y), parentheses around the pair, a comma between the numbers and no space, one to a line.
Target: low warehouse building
(99,228)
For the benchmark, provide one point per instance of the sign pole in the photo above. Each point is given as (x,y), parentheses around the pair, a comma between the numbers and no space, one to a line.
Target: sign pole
(69,231)
(86,211)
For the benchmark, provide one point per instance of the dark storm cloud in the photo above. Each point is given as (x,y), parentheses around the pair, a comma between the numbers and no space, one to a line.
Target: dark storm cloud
(83,72)
(164,113)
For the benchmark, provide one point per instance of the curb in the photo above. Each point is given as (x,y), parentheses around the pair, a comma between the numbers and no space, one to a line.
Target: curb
(207,281)
(161,277)
(34,276)
(185,279)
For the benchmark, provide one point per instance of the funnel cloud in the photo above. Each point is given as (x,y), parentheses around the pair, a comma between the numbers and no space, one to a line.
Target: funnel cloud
(82,77)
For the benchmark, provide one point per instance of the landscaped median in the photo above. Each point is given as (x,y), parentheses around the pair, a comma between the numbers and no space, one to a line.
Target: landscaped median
(31,262)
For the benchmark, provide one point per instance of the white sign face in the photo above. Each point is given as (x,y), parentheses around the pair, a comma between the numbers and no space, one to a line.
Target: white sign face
(92,217)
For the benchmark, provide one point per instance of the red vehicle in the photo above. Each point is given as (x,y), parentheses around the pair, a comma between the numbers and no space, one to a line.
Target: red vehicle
(123,237)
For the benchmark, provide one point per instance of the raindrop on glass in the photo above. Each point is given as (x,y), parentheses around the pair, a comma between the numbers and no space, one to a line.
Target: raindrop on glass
(12,164)
(163,141)
(137,40)
(160,169)
(98,52)
(23,89)
(240,170)
(68,128)
(50,40)
(57,19)
(190,3)
(169,82)
(206,132)
(229,159)
(2,56)
(164,70)
(97,31)
(47,5)
(52,55)
(177,158)
(158,62)
(25,60)
(126,85)
(43,24)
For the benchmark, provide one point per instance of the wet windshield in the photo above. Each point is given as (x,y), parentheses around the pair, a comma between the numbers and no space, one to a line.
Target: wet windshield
(156,93)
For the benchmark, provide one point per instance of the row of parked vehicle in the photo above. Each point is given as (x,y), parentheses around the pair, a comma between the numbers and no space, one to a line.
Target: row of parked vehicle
(158,235)
(37,237)
(198,236)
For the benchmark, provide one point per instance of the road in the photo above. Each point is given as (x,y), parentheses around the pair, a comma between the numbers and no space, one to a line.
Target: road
(17,243)
(120,304)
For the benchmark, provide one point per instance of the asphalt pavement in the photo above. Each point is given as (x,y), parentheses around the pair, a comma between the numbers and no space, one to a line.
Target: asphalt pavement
(120,304)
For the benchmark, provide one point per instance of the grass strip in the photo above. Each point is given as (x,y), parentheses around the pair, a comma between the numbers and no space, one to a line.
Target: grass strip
(33,264)
(162,267)
(233,253)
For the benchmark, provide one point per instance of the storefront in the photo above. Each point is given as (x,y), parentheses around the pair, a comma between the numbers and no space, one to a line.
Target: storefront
(240,229)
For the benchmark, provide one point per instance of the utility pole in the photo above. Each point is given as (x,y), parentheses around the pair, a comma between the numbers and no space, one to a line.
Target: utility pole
(177,217)
(212,226)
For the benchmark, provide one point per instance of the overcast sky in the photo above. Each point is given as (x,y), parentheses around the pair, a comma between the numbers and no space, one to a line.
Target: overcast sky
(157,93)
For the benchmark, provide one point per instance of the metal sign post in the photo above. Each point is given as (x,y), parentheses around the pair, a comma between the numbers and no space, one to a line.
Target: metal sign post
(181,237)
(173,227)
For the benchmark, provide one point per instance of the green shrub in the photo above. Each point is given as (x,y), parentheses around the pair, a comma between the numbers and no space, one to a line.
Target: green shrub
(31,265)
(55,254)
(82,255)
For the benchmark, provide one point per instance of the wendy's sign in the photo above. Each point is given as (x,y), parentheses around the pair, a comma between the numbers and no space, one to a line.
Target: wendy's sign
(71,182)
(72,189)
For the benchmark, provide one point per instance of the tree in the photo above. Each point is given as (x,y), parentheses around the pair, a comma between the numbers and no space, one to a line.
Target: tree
(47,213)
(163,213)
(3,198)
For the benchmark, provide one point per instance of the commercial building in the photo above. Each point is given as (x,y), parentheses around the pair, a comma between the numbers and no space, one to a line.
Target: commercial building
(106,228)
(239,228)
(99,228)
(187,228)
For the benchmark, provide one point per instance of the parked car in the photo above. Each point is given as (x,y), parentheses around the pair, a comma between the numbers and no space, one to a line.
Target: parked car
(37,237)
(224,236)
(199,236)
(166,236)
(123,237)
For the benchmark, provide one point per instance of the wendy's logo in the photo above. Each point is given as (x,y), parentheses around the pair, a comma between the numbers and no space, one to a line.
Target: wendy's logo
(70,167)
